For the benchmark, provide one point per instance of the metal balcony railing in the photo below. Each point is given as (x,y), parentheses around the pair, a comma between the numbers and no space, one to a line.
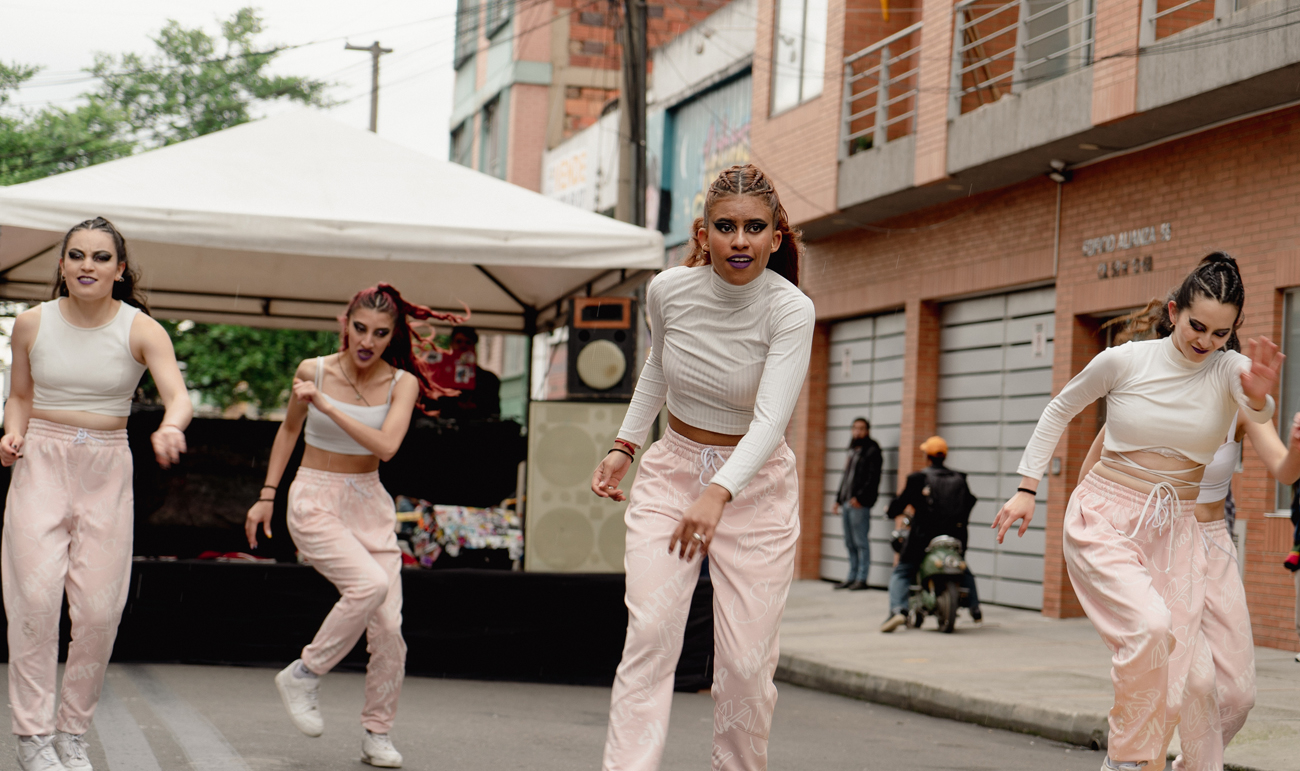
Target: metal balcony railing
(1162,18)
(1000,48)
(880,88)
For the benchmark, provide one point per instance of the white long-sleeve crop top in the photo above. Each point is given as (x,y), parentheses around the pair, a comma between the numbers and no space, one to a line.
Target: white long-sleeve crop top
(1155,399)
(729,359)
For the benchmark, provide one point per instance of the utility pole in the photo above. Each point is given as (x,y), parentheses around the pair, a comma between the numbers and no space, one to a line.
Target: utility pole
(375,53)
(634,107)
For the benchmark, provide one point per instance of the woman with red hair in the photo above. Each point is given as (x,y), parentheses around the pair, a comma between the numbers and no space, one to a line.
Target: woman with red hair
(355,406)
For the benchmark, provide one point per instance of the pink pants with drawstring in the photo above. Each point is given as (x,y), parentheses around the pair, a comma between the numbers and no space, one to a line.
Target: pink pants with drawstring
(1137,564)
(1226,626)
(68,526)
(751,565)
(344,524)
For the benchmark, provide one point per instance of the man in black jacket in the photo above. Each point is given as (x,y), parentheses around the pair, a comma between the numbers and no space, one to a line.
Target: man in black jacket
(857,494)
(941,503)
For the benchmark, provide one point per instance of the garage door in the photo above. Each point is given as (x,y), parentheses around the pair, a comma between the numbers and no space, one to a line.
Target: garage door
(995,378)
(866,380)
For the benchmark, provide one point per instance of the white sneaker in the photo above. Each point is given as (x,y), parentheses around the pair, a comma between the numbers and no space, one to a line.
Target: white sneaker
(36,753)
(72,751)
(299,695)
(378,750)
(1110,765)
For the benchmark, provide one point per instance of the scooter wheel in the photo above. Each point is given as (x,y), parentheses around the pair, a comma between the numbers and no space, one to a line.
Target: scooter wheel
(915,618)
(946,610)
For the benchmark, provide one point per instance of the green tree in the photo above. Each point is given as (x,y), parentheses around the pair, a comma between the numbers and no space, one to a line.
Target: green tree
(231,364)
(192,84)
(195,84)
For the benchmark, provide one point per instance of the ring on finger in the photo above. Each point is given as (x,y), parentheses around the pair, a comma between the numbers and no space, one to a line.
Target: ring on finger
(698,537)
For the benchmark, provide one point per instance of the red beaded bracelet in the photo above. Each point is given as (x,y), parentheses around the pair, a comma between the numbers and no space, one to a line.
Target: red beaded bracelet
(631,448)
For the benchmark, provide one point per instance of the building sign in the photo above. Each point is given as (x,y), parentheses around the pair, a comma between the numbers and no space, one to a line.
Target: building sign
(583,170)
(1123,241)
(1128,239)
(708,134)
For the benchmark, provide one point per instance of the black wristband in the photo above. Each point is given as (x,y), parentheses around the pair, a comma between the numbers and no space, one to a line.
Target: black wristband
(1027,490)
(272,487)
(266,500)
(620,449)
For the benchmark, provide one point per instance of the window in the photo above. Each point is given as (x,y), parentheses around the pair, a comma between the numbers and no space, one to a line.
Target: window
(798,68)
(498,13)
(466,31)
(462,144)
(1290,377)
(493,158)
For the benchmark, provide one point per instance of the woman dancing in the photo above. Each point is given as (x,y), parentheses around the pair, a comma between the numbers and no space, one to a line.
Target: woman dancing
(732,335)
(1225,622)
(69,515)
(356,406)
(1130,541)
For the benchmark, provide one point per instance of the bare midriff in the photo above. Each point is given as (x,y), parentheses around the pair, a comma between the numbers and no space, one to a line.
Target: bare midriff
(322,460)
(1144,482)
(79,419)
(1210,512)
(702,436)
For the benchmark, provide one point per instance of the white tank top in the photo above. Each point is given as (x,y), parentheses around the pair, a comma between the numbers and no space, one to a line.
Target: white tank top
(86,370)
(1218,472)
(324,434)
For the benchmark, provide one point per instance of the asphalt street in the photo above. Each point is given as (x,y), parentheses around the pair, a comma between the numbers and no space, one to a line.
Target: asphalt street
(164,717)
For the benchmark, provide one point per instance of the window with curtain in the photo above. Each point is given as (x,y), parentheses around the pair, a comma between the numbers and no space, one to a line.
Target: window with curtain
(799,60)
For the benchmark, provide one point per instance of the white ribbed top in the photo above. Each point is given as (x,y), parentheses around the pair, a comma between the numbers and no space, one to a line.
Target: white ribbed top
(1155,398)
(84,369)
(729,359)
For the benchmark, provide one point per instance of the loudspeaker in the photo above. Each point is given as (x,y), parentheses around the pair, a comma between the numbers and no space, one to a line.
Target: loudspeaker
(602,348)
(567,527)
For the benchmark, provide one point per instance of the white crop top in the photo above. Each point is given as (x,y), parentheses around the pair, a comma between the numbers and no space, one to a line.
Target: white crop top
(1218,472)
(1155,398)
(725,358)
(87,370)
(324,434)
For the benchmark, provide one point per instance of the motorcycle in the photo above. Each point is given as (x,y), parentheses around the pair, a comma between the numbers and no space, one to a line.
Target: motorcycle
(937,589)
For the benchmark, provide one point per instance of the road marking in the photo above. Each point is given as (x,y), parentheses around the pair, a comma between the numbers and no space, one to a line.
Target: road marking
(124,743)
(202,743)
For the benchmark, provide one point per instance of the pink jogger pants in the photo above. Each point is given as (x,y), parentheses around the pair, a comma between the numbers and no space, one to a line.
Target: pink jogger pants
(68,525)
(344,525)
(1138,569)
(1226,626)
(751,564)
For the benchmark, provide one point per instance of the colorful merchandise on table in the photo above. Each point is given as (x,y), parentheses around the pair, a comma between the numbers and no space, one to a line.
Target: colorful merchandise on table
(425,531)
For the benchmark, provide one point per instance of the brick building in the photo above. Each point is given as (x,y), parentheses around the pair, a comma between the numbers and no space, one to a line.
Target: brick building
(532,73)
(982,185)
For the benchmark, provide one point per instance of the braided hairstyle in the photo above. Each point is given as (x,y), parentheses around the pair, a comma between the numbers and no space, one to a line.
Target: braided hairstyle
(125,290)
(748,179)
(405,342)
(1217,278)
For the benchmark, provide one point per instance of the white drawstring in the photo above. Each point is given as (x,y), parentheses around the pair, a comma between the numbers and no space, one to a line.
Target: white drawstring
(83,435)
(709,458)
(364,493)
(1164,496)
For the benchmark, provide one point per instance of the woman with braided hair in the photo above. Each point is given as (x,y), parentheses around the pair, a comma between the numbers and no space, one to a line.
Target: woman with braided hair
(731,338)
(354,407)
(1225,620)
(1132,548)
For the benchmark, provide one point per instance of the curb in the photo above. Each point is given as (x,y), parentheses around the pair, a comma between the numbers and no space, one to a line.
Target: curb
(1059,725)
(1072,727)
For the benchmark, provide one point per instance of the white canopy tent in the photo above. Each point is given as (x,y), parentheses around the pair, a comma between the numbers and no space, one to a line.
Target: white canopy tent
(277,223)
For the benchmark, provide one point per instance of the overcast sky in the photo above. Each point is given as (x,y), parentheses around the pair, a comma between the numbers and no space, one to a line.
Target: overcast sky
(415,80)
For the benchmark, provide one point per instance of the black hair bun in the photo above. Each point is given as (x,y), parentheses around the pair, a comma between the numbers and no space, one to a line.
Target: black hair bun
(1220,259)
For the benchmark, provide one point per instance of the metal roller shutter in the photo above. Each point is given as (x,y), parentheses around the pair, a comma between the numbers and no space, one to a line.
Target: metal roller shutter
(866,380)
(995,378)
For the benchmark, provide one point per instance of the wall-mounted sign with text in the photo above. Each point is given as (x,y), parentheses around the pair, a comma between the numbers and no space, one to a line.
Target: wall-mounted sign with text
(1123,241)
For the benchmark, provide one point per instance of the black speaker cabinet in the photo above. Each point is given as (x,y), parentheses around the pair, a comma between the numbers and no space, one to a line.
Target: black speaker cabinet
(602,348)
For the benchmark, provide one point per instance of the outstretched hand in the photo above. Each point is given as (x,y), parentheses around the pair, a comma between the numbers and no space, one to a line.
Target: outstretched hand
(1019,508)
(1265,366)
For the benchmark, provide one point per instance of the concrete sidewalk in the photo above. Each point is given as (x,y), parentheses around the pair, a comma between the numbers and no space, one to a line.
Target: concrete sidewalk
(1019,670)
